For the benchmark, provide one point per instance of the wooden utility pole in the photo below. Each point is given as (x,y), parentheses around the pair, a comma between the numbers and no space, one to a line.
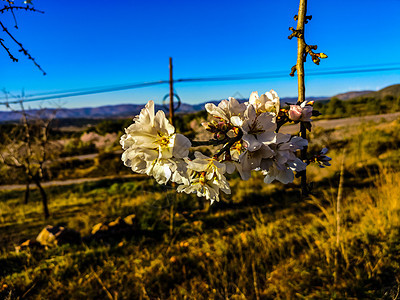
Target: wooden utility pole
(171,93)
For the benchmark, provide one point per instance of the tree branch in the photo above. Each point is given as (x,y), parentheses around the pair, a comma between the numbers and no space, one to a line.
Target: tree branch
(8,51)
(26,8)
(22,49)
(210,142)
(228,145)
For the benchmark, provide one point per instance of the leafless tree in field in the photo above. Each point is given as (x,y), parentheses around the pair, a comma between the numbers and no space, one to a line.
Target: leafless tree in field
(29,149)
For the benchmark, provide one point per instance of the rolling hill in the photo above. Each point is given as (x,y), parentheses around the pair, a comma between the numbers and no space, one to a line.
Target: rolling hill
(129,110)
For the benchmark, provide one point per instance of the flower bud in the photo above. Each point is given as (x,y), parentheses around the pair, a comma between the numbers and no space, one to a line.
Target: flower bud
(221,135)
(205,125)
(295,112)
(306,113)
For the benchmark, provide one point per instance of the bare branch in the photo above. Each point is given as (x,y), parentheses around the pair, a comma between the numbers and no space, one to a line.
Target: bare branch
(8,51)
(22,49)
(228,145)
(26,8)
(293,70)
(295,33)
(210,142)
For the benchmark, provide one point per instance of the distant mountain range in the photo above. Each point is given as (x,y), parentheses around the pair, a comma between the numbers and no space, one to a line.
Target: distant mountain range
(129,110)
(351,95)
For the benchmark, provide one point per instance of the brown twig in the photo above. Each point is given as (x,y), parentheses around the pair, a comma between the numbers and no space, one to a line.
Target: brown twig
(228,145)
(22,49)
(27,8)
(109,296)
(293,70)
(210,142)
(14,59)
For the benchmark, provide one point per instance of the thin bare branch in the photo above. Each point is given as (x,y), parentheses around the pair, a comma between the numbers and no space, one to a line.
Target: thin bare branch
(228,145)
(13,58)
(26,8)
(22,49)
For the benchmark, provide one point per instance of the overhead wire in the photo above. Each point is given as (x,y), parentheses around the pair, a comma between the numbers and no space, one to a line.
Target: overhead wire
(244,76)
(234,77)
(87,92)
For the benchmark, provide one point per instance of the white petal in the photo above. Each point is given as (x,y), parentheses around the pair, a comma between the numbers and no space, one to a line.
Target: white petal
(181,146)
(162,123)
(267,121)
(285,176)
(230,167)
(253,98)
(282,138)
(236,121)
(267,137)
(297,165)
(250,114)
(216,111)
(252,143)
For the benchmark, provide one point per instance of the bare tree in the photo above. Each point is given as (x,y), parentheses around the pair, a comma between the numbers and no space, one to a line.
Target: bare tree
(8,8)
(29,149)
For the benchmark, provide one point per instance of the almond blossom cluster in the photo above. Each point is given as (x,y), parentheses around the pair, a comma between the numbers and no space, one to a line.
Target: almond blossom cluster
(247,132)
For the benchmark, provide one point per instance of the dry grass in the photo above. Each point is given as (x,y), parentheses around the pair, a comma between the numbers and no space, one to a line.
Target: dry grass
(263,242)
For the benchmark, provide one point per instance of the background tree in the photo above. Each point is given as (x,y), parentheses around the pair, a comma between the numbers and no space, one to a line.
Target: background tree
(28,148)
(8,9)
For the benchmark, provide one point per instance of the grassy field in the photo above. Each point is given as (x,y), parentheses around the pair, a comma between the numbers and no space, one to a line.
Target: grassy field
(261,242)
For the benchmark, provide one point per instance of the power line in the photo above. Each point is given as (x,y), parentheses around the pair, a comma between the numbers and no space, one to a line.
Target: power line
(245,76)
(235,77)
(265,75)
(88,92)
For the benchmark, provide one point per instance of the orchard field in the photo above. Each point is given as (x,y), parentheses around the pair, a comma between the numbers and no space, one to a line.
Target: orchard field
(261,242)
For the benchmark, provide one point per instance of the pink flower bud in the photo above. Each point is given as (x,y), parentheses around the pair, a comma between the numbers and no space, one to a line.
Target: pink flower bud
(295,112)
(306,113)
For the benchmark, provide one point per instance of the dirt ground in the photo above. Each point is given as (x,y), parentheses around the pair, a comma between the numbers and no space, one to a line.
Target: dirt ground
(330,124)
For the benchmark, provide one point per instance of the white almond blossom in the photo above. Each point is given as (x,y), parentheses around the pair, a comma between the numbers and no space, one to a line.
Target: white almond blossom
(246,133)
(151,145)
(226,109)
(206,178)
(285,161)
(258,133)
(268,102)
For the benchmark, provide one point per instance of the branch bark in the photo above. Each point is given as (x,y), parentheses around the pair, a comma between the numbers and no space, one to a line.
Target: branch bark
(301,45)
(301,53)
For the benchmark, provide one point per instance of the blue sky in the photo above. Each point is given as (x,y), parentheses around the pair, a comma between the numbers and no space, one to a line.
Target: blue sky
(100,43)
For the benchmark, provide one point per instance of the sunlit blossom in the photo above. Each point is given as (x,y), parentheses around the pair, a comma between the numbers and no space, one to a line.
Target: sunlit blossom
(206,178)
(150,143)
(268,102)
(226,109)
(258,133)
(248,139)
(282,165)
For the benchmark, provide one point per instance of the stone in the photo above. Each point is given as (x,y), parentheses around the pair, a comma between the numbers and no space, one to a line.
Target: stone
(118,222)
(99,227)
(28,244)
(114,230)
(130,220)
(57,236)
